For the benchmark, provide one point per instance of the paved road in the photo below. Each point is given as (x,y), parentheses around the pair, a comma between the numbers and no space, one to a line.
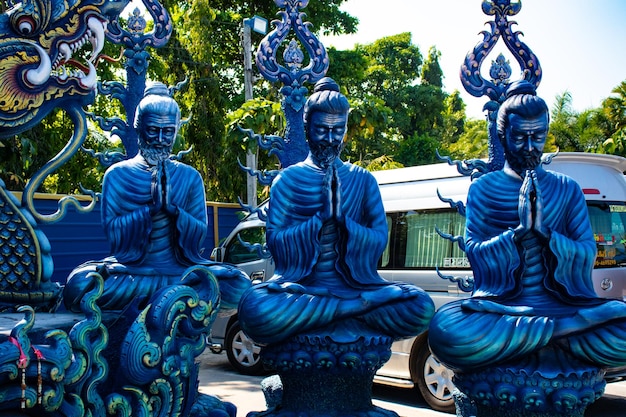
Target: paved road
(219,379)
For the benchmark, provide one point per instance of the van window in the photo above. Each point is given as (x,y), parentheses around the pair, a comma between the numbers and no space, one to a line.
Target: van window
(607,221)
(415,244)
(237,252)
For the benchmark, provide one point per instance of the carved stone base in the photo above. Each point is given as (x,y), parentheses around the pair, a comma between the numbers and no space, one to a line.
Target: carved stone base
(327,375)
(548,384)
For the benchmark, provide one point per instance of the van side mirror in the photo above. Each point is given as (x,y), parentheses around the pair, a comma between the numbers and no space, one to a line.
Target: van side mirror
(217,254)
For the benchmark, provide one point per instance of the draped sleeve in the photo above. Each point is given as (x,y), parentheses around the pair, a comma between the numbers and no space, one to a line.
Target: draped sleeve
(125,211)
(187,193)
(489,239)
(365,223)
(572,241)
(294,222)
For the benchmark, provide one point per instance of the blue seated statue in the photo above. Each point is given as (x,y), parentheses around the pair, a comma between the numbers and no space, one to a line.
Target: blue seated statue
(326,230)
(532,251)
(154,217)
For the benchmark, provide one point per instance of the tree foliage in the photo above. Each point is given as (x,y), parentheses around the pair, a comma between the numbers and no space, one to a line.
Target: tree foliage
(206,47)
(391,77)
(400,113)
(614,117)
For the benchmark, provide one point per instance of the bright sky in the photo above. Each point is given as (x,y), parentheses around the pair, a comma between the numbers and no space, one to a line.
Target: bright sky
(580,44)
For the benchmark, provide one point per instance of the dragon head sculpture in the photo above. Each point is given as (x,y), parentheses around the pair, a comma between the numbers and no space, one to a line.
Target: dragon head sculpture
(48,56)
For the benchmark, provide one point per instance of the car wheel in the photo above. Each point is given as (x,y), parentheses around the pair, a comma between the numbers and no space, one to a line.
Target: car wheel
(433,379)
(243,354)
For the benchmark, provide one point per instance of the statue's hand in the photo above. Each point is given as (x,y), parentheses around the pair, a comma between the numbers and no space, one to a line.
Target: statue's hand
(327,211)
(156,191)
(537,202)
(524,208)
(168,206)
(336,187)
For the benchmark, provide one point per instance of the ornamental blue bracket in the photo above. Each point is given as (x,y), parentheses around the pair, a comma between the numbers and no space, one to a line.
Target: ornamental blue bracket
(135,40)
(500,71)
(293,74)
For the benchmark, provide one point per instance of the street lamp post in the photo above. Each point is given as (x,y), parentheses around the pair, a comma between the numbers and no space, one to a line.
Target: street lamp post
(259,25)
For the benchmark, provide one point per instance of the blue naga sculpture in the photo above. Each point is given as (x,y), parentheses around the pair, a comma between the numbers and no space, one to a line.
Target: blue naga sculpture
(533,339)
(141,361)
(38,42)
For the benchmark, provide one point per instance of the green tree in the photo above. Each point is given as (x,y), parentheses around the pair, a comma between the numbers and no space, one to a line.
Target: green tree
(562,124)
(392,70)
(349,70)
(453,116)
(614,113)
(364,143)
(432,74)
(473,143)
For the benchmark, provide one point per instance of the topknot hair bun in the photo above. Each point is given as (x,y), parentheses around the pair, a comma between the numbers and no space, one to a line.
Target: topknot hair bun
(156,88)
(521,87)
(326,84)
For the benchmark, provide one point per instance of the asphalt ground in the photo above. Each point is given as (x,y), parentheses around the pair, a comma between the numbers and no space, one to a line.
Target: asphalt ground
(219,379)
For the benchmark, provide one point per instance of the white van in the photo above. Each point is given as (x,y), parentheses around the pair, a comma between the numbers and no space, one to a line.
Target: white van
(416,253)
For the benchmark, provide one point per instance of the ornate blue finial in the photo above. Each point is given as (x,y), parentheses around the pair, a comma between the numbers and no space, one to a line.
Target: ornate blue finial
(500,71)
(293,56)
(135,41)
(294,74)
(136,23)
(501,27)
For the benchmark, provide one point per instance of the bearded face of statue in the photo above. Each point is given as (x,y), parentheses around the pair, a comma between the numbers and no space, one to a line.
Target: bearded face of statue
(156,136)
(325,135)
(525,140)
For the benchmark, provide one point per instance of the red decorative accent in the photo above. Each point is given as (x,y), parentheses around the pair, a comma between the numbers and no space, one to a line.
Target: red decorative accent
(23,360)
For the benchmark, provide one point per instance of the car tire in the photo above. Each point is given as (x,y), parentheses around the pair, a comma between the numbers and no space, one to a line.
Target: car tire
(432,378)
(243,354)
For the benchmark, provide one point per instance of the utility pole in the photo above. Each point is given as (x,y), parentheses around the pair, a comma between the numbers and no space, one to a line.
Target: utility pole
(259,25)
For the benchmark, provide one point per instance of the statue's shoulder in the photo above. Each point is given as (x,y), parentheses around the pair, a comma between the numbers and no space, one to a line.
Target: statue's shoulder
(181,166)
(296,170)
(121,167)
(355,171)
(489,179)
(354,168)
(561,180)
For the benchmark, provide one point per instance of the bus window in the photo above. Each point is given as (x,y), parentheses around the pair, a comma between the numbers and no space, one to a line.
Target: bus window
(607,222)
